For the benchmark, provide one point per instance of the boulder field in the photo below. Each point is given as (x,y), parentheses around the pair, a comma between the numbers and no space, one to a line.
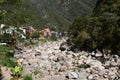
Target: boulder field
(46,61)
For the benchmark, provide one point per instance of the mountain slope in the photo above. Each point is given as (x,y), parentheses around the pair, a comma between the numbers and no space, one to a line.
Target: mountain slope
(60,13)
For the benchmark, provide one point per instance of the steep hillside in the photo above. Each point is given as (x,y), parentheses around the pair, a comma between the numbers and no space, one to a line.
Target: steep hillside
(60,13)
(108,6)
(18,12)
(101,31)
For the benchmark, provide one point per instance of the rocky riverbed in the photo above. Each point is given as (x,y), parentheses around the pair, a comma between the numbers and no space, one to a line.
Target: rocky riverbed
(46,61)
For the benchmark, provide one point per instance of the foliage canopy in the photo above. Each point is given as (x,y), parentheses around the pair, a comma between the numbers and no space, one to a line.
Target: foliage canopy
(100,31)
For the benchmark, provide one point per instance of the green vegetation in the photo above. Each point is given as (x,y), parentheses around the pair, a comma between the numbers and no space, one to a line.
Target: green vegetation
(34,42)
(27,78)
(101,31)
(80,8)
(53,38)
(9,62)
(35,35)
(18,13)
(58,14)
(6,59)
(7,38)
(26,43)
(17,70)
(42,39)
(6,53)
(27,35)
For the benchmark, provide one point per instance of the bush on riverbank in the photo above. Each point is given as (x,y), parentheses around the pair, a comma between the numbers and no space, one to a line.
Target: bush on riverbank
(6,56)
(91,33)
(100,31)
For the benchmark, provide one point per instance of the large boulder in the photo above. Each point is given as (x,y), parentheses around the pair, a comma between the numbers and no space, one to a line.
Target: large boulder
(95,64)
(98,54)
(72,75)
(82,74)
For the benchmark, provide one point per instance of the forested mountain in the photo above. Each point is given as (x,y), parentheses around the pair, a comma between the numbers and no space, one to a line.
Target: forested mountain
(61,13)
(100,31)
(57,13)
(108,6)
(18,13)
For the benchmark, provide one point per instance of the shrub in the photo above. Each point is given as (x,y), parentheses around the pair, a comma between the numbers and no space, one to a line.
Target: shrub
(7,61)
(91,33)
(36,35)
(16,71)
(43,39)
(7,38)
(53,38)
(27,35)
(27,43)
(27,78)
(5,54)
(34,42)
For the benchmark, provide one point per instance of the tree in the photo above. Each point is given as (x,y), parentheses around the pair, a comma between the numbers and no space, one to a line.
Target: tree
(97,32)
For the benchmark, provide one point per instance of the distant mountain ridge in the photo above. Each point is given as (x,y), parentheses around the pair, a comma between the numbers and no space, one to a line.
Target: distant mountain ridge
(60,13)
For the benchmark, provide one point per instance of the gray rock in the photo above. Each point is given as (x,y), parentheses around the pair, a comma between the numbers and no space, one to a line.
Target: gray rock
(61,58)
(118,61)
(25,62)
(72,75)
(44,57)
(104,72)
(31,61)
(107,64)
(106,56)
(37,50)
(69,52)
(34,65)
(29,50)
(26,71)
(55,77)
(112,72)
(93,77)
(113,63)
(98,54)
(80,62)
(93,53)
(82,74)
(17,55)
(54,59)
(56,47)
(95,63)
